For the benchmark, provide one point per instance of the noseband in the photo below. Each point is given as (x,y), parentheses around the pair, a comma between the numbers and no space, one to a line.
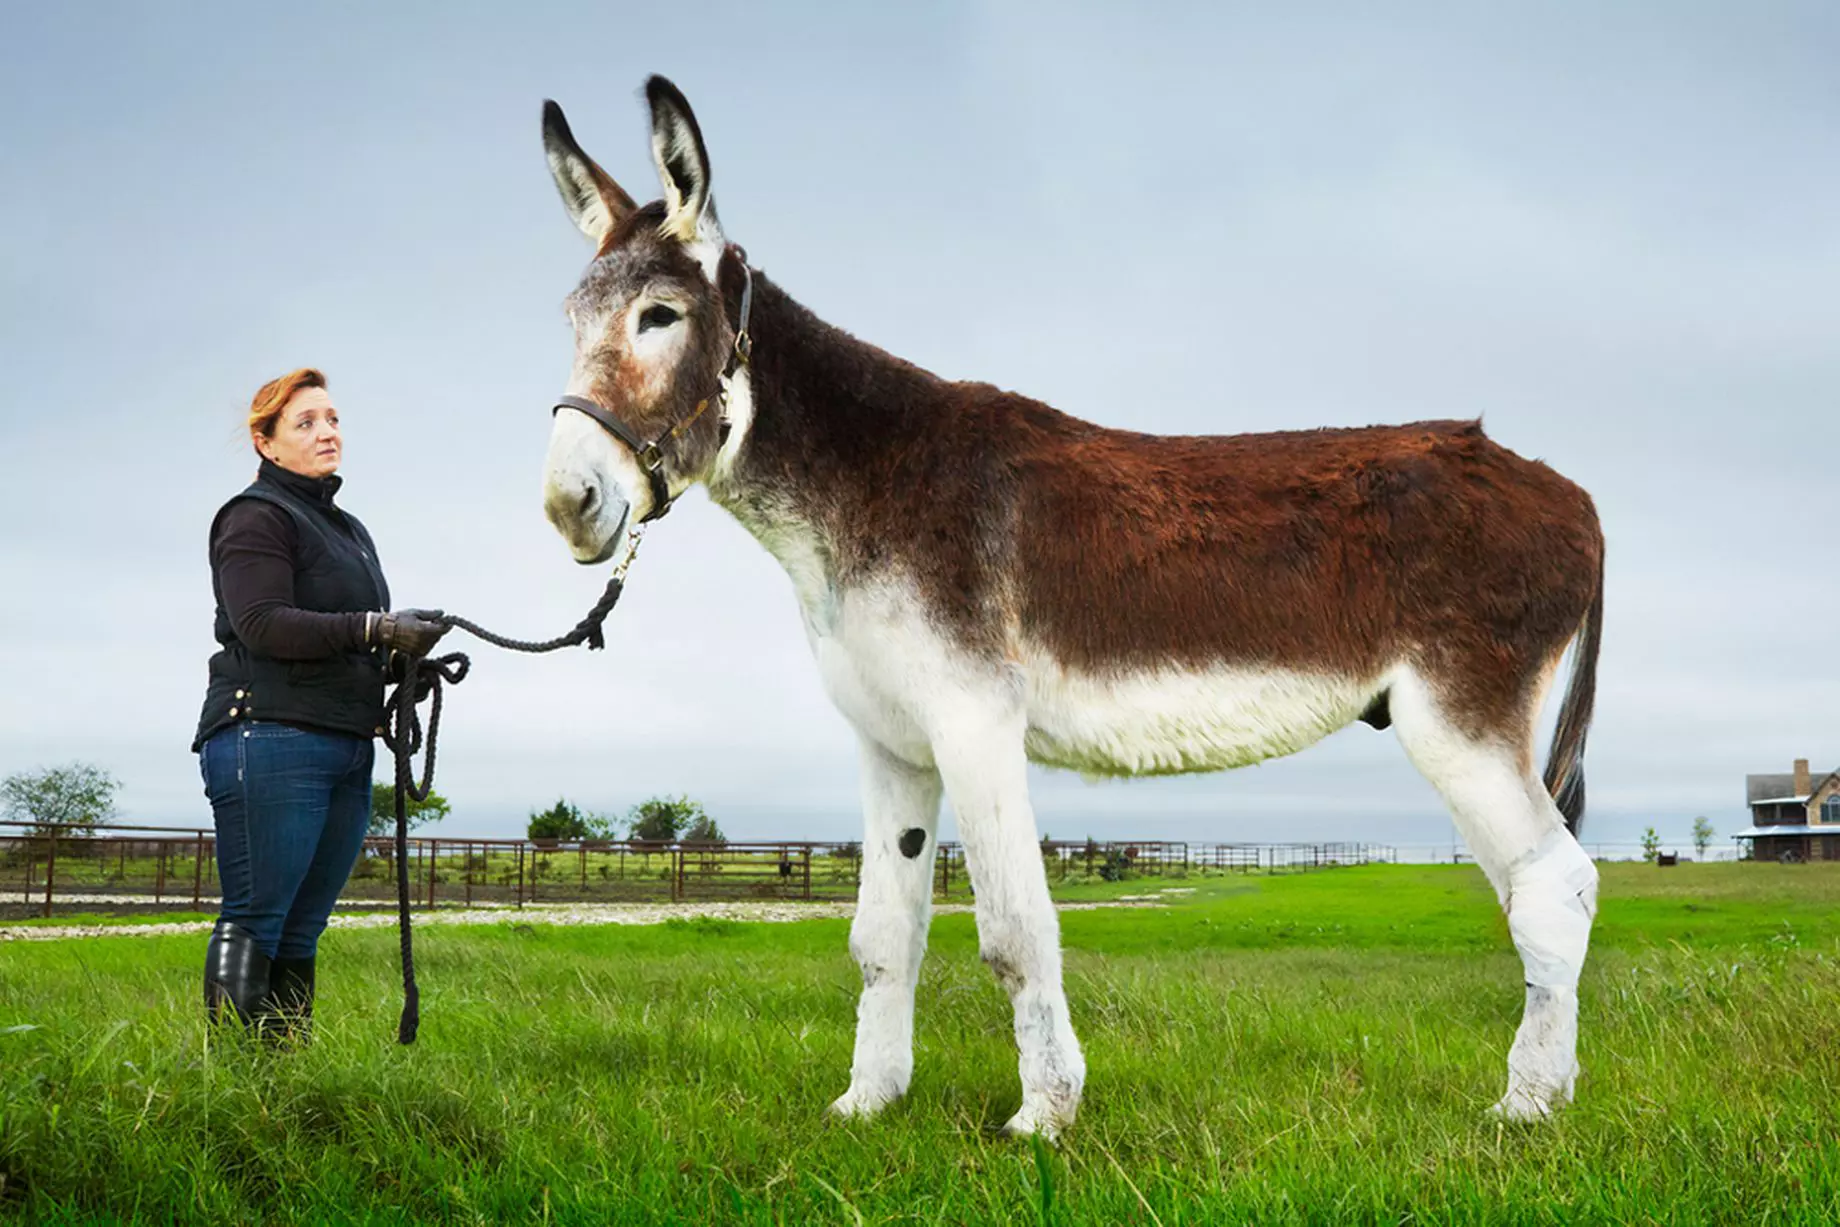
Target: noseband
(651,455)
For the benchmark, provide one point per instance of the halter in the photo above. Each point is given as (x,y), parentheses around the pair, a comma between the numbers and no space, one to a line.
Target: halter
(651,455)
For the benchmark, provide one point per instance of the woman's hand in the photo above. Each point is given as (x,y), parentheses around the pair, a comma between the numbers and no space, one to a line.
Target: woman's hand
(414,632)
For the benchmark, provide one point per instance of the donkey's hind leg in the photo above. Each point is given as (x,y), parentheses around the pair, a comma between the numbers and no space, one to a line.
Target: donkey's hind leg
(1546,883)
(888,936)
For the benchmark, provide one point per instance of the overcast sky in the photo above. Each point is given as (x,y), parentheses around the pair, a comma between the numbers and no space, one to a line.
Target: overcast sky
(1612,231)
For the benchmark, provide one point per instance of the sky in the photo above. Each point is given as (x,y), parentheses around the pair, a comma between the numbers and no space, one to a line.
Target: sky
(1612,232)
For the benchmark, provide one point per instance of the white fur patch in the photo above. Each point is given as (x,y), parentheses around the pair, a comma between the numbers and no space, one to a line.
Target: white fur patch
(581,455)
(706,244)
(1152,722)
(739,412)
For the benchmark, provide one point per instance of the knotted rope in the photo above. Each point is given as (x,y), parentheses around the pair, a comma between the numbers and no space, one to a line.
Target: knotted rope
(425,677)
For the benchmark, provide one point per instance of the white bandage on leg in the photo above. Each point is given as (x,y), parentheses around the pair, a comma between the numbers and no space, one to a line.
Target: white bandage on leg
(1552,898)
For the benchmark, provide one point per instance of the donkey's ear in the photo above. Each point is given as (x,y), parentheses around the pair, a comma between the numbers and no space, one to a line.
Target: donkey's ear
(594,201)
(683,162)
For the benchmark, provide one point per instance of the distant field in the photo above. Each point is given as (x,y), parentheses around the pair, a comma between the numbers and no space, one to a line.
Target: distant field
(1309,1048)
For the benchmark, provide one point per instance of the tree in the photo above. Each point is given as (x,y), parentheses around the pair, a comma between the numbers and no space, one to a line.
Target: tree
(662,819)
(565,821)
(383,809)
(79,795)
(1702,835)
(1651,845)
(703,830)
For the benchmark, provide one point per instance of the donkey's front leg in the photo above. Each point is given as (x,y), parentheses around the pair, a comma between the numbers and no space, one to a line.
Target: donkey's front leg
(985,773)
(888,936)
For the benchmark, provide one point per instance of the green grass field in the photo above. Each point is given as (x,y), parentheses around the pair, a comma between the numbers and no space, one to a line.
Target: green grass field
(1318,1048)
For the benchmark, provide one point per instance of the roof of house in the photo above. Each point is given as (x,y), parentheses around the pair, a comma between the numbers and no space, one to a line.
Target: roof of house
(1785,829)
(1760,789)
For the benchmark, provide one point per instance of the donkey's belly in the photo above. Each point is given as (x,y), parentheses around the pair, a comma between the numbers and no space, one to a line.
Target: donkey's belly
(1164,721)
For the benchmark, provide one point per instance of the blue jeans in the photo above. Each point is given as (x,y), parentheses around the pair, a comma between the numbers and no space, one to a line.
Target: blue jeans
(291,807)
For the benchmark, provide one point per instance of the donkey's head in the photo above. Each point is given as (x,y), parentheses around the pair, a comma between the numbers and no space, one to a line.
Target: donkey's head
(639,422)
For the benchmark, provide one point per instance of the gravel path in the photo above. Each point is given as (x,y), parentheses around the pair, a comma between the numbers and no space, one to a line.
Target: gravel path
(549,914)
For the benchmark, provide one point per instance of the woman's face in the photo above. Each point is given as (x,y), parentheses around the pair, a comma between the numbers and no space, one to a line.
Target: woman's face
(306,435)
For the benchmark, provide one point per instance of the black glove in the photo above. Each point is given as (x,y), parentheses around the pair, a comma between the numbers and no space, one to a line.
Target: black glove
(413,632)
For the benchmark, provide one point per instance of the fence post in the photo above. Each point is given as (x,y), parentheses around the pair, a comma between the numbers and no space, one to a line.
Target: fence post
(159,872)
(520,885)
(197,871)
(50,868)
(434,858)
(469,872)
(677,875)
(808,871)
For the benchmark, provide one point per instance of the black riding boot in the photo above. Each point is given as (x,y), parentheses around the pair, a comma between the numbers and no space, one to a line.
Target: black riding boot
(286,1014)
(235,973)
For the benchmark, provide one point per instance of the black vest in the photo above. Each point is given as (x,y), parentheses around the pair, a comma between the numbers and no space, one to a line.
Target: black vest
(335,571)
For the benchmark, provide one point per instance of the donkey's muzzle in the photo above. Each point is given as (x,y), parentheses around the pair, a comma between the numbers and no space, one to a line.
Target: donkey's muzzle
(590,516)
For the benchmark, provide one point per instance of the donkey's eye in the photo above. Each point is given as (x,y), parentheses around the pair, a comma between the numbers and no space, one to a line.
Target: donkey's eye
(657,316)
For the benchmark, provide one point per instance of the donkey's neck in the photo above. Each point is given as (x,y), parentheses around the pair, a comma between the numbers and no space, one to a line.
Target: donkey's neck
(831,417)
(825,408)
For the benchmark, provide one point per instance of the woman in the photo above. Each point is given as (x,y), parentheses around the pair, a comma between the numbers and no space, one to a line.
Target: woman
(295,697)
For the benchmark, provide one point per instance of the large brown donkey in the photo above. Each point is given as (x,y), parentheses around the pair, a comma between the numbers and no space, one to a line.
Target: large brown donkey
(986,581)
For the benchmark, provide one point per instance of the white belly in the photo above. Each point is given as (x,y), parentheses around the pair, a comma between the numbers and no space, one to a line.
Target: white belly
(899,683)
(1156,722)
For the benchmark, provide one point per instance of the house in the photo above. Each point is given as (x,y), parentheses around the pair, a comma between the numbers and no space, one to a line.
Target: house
(1794,817)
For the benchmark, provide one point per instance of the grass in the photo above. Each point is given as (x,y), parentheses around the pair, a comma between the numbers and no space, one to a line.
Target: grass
(1310,1048)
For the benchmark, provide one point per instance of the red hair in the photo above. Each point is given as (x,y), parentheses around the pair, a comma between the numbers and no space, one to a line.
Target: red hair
(274,395)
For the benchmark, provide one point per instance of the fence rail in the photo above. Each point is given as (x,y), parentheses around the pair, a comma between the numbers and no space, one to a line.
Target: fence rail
(141,868)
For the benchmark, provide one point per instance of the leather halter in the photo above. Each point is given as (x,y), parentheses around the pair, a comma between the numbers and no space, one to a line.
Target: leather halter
(651,455)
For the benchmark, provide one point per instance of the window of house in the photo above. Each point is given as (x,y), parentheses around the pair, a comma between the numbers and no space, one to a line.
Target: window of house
(1830,808)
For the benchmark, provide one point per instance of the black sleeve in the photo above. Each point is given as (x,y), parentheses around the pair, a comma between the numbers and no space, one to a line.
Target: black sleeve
(253,555)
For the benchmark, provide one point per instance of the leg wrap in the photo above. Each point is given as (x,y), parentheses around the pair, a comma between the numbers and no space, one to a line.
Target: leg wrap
(1551,901)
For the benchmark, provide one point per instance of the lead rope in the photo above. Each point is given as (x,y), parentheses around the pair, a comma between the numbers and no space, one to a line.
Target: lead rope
(402,734)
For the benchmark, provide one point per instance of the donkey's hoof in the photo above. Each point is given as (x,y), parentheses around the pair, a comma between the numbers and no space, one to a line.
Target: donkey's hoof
(858,1104)
(1029,1123)
(1524,1105)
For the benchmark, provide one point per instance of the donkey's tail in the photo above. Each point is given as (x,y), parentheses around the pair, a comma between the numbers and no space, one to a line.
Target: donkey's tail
(1565,765)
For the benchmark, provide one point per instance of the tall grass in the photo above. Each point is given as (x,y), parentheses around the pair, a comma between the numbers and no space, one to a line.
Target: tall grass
(1318,1048)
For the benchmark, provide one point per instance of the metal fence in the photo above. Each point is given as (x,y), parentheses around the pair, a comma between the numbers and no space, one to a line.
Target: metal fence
(141,868)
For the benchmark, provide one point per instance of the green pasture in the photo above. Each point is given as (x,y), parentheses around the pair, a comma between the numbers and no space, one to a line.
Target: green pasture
(1309,1048)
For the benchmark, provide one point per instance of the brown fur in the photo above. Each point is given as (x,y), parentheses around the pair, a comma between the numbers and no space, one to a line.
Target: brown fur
(1335,550)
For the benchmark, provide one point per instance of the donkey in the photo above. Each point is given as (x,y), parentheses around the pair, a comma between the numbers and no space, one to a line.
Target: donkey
(985,582)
